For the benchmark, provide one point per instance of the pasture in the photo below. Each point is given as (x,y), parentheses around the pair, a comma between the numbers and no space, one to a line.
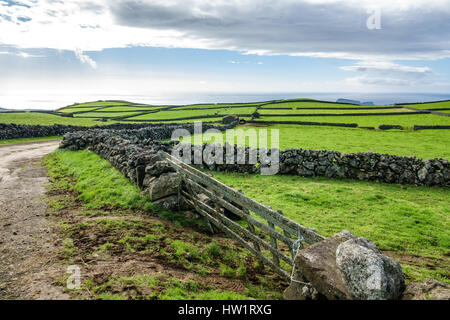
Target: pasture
(409,223)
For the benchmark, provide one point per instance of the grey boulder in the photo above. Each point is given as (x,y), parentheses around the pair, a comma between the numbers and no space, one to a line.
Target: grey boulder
(368,274)
(166,185)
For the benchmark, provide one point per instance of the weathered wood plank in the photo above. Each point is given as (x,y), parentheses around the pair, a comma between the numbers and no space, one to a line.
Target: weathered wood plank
(241,213)
(242,230)
(252,229)
(273,242)
(287,234)
(244,243)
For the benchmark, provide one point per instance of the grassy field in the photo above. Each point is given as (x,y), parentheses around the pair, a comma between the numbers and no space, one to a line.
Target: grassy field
(86,113)
(430,106)
(34,118)
(24,140)
(409,223)
(423,144)
(89,196)
(407,121)
(295,108)
(306,104)
(128,247)
(106,114)
(328,111)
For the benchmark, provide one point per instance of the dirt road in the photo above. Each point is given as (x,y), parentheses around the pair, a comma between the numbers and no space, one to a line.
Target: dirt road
(27,253)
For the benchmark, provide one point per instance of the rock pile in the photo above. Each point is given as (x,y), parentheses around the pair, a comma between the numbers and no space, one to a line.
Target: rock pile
(17,131)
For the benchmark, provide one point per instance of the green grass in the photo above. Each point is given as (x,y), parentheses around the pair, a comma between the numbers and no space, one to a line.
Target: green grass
(131,108)
(160,288)
(132,111)
(308,111)
(407,121)
(423,143)
(413,222)
(24,140)
(430,106)
(33,118)
(98,183)
(100,104)
(192,113)
(78,109)
(128,235)
(308,104)
(106,114)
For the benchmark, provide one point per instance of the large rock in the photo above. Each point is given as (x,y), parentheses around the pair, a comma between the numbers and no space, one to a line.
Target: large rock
(317,263)
(158,168)
(170,202)
(368,274)
(428,290)
(166,185)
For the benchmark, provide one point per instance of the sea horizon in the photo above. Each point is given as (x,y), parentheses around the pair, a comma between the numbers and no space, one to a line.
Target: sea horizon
(55,101)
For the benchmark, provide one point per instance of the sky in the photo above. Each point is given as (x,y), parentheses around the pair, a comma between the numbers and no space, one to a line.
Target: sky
(56,52)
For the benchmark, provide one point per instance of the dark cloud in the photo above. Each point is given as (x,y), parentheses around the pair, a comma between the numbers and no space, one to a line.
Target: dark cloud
(330,29)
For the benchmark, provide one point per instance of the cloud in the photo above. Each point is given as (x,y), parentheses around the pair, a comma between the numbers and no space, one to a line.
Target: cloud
(388,73)
(366,80)
(321,28)
(388,68)
(305,28)
(85,58)
(21,54)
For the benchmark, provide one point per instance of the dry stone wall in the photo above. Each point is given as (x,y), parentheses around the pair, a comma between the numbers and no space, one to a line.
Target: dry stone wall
(17,131)
(127,149)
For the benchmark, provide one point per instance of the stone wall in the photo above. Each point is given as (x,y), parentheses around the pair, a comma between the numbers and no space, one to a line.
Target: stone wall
(357,166)
(16,131)
(127,149)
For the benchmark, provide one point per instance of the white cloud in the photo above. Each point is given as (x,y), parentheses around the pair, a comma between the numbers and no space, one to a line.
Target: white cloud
(388,73)
(366,80)
(85,58)
(386,67)
(21,54)
(321,28)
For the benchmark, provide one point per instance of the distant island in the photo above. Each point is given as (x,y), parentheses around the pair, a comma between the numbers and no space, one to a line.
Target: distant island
(368,103)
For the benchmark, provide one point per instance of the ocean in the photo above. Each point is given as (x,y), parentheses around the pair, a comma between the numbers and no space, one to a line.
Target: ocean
(55,101)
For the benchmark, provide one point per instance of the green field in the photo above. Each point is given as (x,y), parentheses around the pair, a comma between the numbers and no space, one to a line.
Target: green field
(24,140)
(412,224)
(129,109)
(329,111)
(422,144)
(44,119)
(407,121)
(106,114)
(90,197)
(430,106)
(307,104)
(408,223)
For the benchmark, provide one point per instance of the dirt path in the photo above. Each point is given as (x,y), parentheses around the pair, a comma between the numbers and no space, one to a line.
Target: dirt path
(27,253)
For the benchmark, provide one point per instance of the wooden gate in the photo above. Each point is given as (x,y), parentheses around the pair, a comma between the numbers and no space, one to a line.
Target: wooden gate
(266,228)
